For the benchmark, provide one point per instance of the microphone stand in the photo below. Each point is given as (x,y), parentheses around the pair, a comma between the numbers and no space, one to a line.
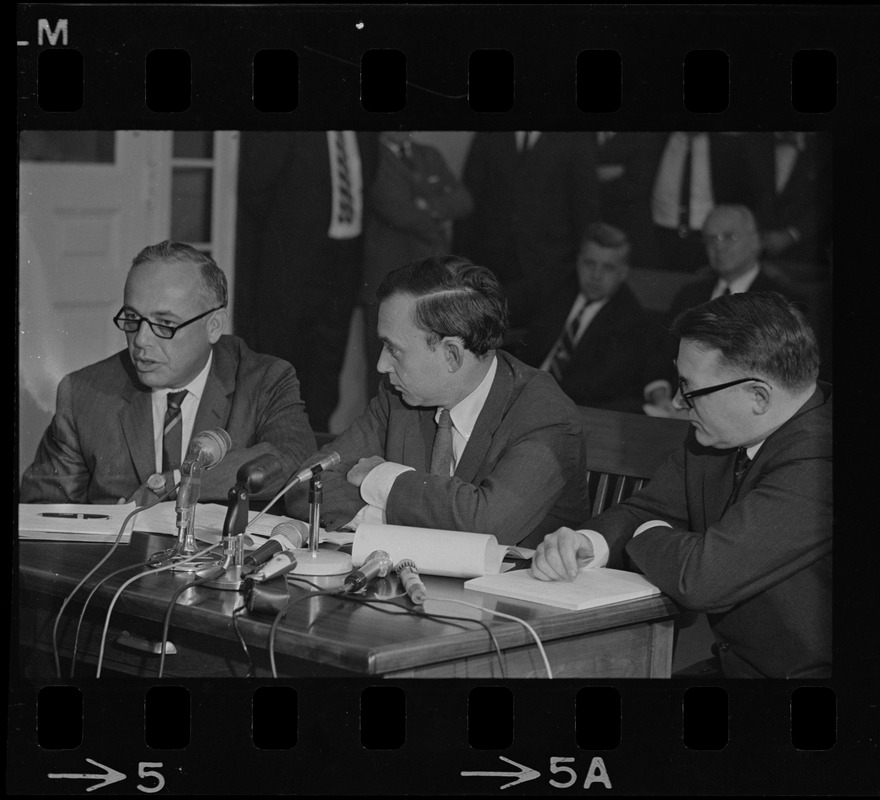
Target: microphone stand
(326,568)
(233,539)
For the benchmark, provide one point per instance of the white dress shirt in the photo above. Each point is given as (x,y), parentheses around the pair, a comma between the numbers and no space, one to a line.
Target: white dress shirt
(665,200)
(589,314)
(188,408)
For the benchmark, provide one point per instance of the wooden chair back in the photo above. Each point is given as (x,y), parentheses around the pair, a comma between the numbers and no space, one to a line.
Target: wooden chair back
(624,450)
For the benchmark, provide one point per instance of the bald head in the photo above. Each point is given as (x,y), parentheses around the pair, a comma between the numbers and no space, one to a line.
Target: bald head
(732,242)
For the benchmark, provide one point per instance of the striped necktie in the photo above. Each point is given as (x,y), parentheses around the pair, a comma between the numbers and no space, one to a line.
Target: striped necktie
(346,203)
(740,465)
(172,436)
(441,453)
(565,345)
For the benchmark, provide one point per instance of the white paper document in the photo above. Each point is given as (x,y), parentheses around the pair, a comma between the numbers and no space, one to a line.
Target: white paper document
(455,554)
(590,589)
(74,522)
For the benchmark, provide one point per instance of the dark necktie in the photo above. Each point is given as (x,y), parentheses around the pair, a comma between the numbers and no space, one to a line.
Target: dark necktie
(565,346)
(346,203)
(740,465)
(441,454)
(172,436)
(684,202)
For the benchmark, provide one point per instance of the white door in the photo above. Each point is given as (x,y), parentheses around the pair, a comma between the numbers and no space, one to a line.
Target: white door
(84,198)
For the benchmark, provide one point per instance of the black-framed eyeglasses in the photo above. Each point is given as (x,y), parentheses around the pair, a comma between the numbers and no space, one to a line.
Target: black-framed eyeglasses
(130,322)
(687,397)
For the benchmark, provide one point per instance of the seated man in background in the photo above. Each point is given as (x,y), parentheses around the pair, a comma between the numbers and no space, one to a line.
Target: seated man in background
(461,436)
(122,425)
(733,244)
(591,335)
(736,524)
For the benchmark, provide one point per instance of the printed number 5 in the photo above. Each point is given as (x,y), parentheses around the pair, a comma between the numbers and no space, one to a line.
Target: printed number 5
(143,772)
(554,767)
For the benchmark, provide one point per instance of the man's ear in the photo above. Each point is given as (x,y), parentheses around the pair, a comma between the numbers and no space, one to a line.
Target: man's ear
(760,394)
(453,350)
(216,324)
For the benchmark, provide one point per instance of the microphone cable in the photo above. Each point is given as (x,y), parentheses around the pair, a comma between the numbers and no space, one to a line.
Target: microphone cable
(235,615)
(94,569)
(131,580)
(319,593)
(522,622)
(215,572)
(82,612)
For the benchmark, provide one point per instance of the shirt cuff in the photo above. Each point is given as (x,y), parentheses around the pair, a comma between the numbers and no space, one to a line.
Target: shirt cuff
(369,515)
(658,384)
(600,549)
(653,523)
(377,485)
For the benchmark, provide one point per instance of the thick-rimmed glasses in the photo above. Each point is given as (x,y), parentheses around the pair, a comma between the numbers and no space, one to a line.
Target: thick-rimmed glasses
(687,397)
(130,322)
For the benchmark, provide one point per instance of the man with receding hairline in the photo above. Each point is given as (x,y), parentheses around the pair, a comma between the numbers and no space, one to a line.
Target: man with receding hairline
(513,460)
(738,522)
(105,442)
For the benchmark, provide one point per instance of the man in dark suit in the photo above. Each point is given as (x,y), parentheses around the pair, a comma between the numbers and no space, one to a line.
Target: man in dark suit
(299,250)
(107,441)
(412,204)
(534,194)
(695,171)
(591,335)
(733,244)
(461,436)
(737,524)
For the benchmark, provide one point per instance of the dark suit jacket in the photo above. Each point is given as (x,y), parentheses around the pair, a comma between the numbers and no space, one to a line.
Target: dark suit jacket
(99,445)
(758,563)
(521,476)
(529,213)
(804,202)
(397,231)
(607,368)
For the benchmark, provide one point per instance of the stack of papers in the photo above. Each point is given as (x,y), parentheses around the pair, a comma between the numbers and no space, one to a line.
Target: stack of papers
(74,522)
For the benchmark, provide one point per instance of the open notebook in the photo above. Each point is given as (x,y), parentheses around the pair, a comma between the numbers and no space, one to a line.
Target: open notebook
(590,589)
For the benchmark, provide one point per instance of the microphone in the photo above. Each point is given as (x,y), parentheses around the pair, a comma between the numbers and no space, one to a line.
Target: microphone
(307,473)
(409,576)
(286,536)
(281,563)
(257,472)
(376,566)
(207,448)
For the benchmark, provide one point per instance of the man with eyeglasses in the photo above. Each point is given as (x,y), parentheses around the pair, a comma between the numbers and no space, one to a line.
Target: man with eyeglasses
(733,246)
(122,425)
(737,523)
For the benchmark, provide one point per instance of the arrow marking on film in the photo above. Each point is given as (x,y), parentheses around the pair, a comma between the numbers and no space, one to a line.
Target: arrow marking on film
(524,774)
(109,776)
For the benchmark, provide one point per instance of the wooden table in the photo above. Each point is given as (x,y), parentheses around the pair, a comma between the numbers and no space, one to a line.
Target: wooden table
(320,636)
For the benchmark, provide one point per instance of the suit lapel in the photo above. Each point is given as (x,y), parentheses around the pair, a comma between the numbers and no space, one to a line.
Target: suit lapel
(487,423)
(214,406)
(418,439)
(136,421)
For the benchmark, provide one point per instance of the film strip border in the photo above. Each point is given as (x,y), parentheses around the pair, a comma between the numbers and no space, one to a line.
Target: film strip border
(437,737)
(472,68)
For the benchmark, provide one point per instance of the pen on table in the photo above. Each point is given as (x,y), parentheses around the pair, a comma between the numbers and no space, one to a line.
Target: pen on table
(73,516)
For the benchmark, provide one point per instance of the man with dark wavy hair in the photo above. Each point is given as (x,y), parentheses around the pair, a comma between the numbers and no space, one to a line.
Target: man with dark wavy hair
(737,523)
(461,435)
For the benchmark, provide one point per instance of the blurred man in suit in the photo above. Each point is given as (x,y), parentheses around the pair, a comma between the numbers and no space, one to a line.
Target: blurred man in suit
(732,243)
(737,524)
(591,334)
(299,250)
(122,425)
(412,204)
(534,194)
(461,435)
